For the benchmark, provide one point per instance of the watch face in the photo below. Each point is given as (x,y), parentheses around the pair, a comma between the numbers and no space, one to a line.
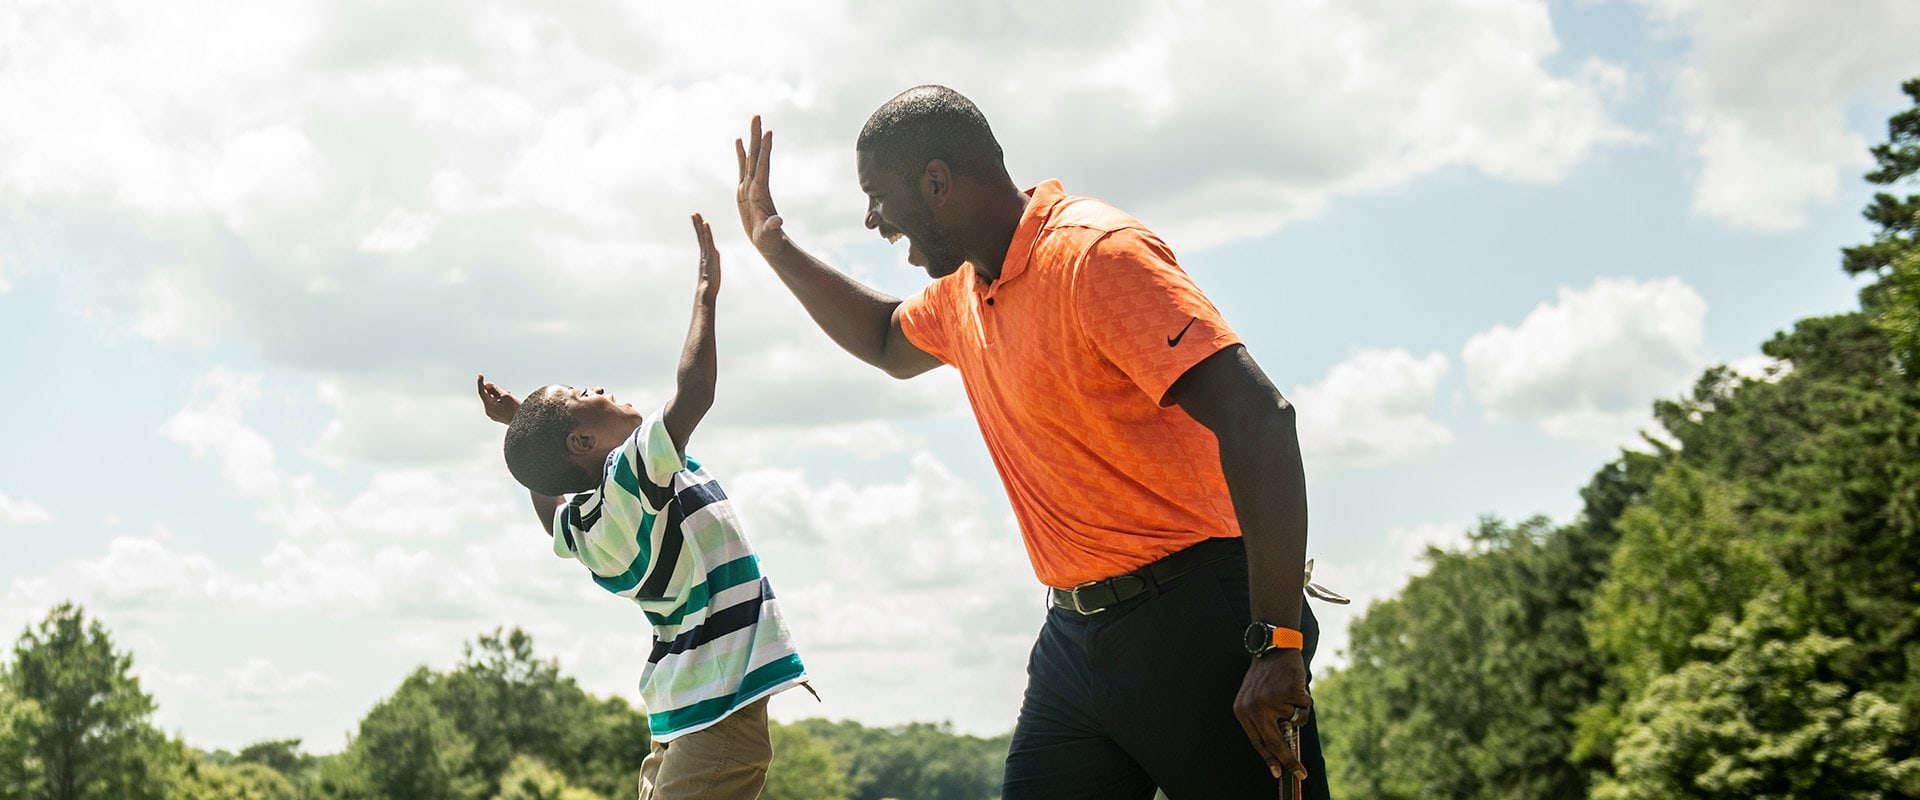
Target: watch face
(1259,637)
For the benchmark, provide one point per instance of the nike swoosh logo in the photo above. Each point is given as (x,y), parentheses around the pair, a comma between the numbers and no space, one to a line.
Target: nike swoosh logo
(1174,341)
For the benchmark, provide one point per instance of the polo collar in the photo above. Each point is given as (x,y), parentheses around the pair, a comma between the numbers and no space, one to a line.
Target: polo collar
(1045,197)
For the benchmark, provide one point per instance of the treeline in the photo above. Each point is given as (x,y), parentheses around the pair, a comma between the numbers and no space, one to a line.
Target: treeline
(503,724)
(1735,614)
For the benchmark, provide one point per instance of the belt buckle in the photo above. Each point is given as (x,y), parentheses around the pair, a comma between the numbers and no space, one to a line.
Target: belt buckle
(1077,607)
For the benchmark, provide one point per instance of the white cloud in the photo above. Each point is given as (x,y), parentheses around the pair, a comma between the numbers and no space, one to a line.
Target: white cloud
(388,211)
(1372,409)
(858,566)
(1765,90)
(22,511)
(1589,366)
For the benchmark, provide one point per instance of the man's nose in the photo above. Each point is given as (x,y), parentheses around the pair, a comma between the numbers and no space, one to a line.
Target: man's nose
(873,219)
(599,390)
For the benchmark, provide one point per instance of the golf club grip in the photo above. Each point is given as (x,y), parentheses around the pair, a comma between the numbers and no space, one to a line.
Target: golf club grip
(1290,788)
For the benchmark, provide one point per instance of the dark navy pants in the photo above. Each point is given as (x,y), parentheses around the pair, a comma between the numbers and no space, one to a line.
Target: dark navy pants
(1141,696)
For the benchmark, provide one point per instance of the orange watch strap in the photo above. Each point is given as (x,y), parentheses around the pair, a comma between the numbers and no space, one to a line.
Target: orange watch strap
(1288,639)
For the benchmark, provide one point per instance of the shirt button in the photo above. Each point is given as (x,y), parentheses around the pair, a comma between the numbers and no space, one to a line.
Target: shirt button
(989,301)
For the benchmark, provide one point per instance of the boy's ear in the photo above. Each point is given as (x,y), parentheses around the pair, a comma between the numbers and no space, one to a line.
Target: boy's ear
(580,442)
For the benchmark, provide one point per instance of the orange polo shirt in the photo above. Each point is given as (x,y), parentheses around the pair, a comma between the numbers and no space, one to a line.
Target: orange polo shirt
(1066,359)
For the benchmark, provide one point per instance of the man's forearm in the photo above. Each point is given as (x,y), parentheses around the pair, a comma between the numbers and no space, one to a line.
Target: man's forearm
(854,315)
(1269,490)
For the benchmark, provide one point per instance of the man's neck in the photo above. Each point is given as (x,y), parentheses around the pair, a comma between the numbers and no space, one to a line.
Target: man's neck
(986,247)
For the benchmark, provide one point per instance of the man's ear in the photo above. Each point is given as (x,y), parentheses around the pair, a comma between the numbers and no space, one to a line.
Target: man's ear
(936,182)
(580,442)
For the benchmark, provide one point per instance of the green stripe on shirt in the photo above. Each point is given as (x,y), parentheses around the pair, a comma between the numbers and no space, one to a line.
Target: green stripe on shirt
(766,677)
(631,578)
(719,579)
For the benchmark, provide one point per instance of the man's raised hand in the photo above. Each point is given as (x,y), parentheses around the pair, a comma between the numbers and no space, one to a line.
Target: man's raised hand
(499,403)
(709,286)
(755,199)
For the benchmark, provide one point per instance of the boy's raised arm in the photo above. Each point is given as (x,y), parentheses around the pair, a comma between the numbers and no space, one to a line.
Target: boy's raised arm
(699,364)
(500,406)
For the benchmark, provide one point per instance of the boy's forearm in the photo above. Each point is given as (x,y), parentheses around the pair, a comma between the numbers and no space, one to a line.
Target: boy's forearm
(543,507)
(698,372)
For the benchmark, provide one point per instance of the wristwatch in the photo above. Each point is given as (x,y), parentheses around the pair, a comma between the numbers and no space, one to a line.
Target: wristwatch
(1261,637)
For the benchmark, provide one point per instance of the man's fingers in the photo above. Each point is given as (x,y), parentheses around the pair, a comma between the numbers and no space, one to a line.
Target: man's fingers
(1253,735)
(763,172)
(1290,764)
(740,154)
(1266,739)
(753,148)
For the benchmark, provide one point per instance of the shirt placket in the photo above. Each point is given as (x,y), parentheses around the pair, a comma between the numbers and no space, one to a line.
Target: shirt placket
(985,321)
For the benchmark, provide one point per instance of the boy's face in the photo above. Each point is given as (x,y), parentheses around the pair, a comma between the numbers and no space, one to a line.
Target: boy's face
(600,416)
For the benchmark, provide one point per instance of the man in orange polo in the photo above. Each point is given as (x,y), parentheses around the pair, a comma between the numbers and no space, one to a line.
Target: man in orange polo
(1152,466)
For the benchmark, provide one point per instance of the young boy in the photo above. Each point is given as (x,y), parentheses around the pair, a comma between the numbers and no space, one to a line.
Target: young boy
(654,527)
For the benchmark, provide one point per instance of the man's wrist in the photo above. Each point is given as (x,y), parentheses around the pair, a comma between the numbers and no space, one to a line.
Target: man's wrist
(1262,638)
(778,247)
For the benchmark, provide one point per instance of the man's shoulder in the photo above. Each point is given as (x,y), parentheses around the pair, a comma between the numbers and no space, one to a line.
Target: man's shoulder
(1089,218)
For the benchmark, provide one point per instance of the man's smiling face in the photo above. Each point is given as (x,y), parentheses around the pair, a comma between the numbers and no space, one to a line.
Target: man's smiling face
(895,208)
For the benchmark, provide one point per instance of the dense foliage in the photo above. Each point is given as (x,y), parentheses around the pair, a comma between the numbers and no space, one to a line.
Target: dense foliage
(1735,614)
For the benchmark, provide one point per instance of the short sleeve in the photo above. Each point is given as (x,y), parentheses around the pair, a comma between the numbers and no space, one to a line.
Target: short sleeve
(651,448)
(923,318)
(1141,312)
(572,521)
(596,527)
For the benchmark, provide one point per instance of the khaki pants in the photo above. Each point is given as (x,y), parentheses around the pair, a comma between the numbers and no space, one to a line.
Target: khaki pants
(727,761)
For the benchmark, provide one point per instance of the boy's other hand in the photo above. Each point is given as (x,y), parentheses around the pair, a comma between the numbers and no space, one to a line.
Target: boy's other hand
(753,194)
(500,404)
(709,285)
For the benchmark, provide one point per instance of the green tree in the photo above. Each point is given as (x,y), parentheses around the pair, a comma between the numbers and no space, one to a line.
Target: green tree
(21,774)
(407,749)
(1684,558)
(528,779)
(920,760)
(509,702)
(200,776)
(804,768)
(91,736)
(1893,255)
(281,755)
(1465,684)
(463,730)
(1761,715)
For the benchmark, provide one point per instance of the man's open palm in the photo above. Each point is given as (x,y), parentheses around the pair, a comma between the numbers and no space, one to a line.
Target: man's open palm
(753,195)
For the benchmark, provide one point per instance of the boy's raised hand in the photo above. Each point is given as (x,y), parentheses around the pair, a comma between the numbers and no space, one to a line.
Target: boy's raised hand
(709,285)
(500,404)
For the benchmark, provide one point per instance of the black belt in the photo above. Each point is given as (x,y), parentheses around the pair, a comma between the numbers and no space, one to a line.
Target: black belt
(1094,597)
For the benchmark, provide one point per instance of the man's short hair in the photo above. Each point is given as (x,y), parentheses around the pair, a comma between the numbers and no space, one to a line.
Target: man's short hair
(536,448)
(926,123)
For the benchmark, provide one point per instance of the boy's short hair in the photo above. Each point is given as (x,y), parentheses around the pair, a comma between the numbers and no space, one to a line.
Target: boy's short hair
(536,448)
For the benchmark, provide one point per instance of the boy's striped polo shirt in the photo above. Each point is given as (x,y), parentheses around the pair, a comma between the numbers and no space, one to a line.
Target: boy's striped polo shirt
(663,534)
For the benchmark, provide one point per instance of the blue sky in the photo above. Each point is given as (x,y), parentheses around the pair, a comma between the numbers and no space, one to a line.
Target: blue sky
(250,259)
